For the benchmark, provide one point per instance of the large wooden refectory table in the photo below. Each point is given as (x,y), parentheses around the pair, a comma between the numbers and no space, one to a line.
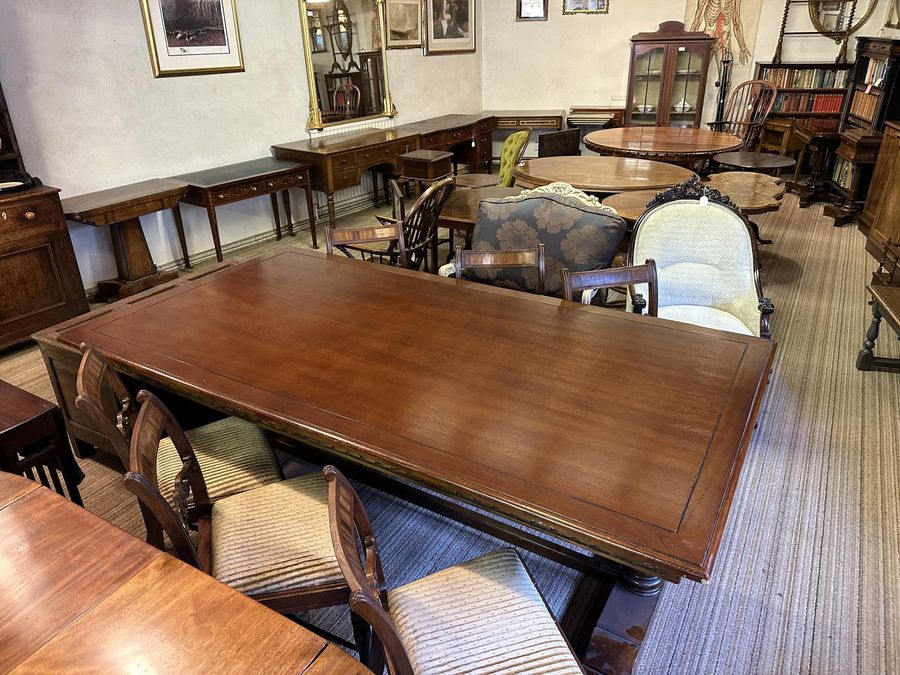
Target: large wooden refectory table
(619,433)
(81,595)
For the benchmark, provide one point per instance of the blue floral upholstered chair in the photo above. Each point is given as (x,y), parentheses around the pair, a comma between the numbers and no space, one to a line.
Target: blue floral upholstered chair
(576,230)
(705,258)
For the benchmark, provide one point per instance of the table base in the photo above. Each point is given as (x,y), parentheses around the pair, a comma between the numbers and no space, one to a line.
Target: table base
(866,360)
(137,271)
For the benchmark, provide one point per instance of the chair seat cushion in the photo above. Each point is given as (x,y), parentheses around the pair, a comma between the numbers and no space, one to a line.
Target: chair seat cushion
(234,456)
(274,538)
(484,616)
(708,317)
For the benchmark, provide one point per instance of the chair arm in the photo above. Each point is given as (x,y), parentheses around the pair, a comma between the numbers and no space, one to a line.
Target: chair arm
(448,270)
(766,308)
(385,220)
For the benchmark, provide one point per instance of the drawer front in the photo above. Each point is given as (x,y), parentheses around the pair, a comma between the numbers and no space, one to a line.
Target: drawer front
(540,122)
(236,193)
(344,161)
(407,146)
(484,125)
(344,179)
(432,141)
(458,135)
(385,153)
(507,123)
(282,182)
(29,219)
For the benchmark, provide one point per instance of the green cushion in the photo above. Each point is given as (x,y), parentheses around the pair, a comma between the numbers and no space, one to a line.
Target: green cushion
(512,148)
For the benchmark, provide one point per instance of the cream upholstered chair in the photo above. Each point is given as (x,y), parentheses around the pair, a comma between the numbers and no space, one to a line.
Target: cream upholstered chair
(705,259)
(234,455)
(271,543)
(485,615)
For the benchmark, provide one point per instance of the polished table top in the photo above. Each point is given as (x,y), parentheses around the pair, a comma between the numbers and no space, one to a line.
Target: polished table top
(760,161)
(462,206)
(82,595)
(240,171)
(101,207)
(600,174)
(620,432)
(661,141)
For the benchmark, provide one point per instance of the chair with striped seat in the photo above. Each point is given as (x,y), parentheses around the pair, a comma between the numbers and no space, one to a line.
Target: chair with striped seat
(485,615)
(234,455)
(271,543)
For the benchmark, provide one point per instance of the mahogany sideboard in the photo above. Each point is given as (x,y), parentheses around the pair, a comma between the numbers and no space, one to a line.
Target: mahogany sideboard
(41,284)
(340,161)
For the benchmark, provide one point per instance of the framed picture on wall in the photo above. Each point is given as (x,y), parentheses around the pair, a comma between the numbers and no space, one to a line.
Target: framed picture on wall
(531,10)
(449,26)
(192,37)
(585,6)
(404,23)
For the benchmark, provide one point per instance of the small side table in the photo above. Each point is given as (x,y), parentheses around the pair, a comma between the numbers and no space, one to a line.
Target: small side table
(752,192)
(33,442)
(885,305)
(426,166)
(820,137)
(120,208)
(756,161)
(257,177)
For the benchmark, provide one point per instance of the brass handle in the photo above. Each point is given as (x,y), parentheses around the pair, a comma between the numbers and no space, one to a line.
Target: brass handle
(30,215)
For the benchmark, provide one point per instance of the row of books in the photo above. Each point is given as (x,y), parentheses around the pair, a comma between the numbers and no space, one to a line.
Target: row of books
(875,72)
(843,172)
(808,103)
(863,105)
(805,78)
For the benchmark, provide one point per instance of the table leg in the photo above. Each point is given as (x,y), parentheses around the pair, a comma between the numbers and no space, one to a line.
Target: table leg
(179,228)
(274,197)
(71,472)
(755,228)
(866,360)
(310,210)
(214,228)
(286,198)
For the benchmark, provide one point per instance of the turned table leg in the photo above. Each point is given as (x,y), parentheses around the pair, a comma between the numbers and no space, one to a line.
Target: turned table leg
(331,217)
(866,360)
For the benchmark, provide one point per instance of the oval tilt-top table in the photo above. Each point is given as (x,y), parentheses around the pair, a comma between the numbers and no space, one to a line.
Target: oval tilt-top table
(666,144)
(600,174)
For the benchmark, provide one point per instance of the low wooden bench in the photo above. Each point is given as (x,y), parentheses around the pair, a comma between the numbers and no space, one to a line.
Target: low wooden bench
(33,442)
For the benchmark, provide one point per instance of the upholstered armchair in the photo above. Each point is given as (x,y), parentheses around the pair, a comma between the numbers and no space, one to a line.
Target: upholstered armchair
(577,232)
(705,258)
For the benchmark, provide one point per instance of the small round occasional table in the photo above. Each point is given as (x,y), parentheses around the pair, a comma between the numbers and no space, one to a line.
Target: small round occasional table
(600,174)
(667,144)
(756,161)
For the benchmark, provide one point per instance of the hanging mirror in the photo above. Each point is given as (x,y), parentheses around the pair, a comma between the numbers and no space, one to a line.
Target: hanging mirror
(349,81)
(831,16)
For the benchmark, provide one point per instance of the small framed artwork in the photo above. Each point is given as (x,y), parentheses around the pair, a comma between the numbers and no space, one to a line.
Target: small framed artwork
(192,37)
(585,6)
(531,10)
(404,23)
(449,26)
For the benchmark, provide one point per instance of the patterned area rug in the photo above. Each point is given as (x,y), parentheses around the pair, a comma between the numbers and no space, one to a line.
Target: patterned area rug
(808,575)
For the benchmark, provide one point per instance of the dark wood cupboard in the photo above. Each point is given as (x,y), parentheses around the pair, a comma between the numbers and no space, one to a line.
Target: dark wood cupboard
(40,284)
(879,220)
(667,78)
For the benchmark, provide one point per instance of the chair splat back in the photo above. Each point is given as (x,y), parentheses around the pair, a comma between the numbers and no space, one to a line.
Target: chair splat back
(560,143)
(747,110)
(350,526)
(511,154)
(420,224)
(529,258)
(354,239)
(589,280)
(153,422)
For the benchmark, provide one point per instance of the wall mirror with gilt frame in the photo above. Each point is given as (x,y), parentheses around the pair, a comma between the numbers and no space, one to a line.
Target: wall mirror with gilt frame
(348,81)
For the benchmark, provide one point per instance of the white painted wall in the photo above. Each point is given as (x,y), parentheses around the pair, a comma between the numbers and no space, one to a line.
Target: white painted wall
(89,114)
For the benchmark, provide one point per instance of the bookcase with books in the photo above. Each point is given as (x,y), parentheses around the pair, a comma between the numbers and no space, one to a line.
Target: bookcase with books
(805,90)
(872,99)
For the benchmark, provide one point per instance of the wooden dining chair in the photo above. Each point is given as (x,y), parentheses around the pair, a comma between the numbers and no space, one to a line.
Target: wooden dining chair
(615,277)
(747,110)
(528,258)
(420,223)
(234,455)
(472,617)
(345,101)
(350,240)
(271,543)
(560,143)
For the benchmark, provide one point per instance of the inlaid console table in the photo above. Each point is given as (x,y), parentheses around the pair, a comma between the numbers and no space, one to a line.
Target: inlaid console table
(119,209)
(340,161)
(244,180)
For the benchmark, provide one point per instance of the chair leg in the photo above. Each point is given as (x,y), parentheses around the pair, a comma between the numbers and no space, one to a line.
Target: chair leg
(362,636)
